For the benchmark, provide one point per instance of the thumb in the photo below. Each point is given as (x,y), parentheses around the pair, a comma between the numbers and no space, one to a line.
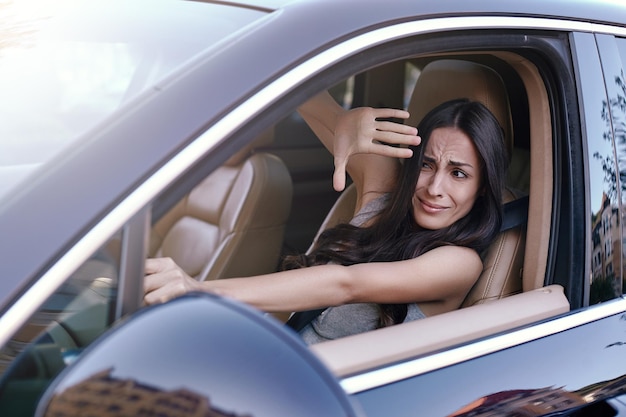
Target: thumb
(339,176)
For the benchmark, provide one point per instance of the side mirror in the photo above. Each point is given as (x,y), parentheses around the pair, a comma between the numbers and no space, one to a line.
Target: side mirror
(198,355)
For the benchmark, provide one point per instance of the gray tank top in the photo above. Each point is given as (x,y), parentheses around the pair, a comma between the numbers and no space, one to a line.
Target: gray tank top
(349,319)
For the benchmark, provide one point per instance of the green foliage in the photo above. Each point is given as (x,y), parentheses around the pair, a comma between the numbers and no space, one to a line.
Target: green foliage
(602,289)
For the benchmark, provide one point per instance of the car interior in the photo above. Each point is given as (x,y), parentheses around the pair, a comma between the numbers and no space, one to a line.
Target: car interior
(514,265)
(510,292)
(274,197)
(232,223)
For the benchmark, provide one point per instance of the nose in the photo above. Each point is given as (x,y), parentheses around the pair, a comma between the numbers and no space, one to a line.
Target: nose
(435,185)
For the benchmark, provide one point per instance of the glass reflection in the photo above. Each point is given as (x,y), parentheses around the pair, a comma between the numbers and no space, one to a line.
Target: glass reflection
(583,364)
(618,112)
(541,401)
(104,395)
(71,319)
(605,190)
(206,352)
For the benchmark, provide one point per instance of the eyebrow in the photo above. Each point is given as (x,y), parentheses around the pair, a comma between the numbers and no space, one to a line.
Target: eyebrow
(450,162)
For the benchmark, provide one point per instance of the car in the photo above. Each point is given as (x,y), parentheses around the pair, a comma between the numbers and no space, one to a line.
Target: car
(170,128)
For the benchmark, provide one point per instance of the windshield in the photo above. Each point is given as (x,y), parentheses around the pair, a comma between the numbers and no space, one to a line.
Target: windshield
(65,65)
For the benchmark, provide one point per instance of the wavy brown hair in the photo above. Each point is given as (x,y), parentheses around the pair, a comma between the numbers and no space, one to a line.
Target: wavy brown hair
(395,235)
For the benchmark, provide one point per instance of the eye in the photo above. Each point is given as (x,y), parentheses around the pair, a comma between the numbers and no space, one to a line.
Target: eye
(457,173)
(426,166)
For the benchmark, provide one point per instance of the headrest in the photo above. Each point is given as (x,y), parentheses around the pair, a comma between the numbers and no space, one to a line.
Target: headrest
(449,79)
(264,139)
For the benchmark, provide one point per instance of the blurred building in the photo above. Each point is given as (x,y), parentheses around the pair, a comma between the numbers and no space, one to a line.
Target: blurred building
(105,396)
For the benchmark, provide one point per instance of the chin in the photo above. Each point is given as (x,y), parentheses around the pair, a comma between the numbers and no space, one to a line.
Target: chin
(431,224)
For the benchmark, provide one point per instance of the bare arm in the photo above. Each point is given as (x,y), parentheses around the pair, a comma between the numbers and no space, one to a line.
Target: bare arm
(359,141)
(429,278)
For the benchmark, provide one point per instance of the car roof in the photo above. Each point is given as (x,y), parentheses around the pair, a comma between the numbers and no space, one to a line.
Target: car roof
(33,222)
(344,12)
(600,11)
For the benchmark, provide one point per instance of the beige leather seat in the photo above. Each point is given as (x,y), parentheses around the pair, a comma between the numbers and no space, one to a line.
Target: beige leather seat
(438,82)
(232,223)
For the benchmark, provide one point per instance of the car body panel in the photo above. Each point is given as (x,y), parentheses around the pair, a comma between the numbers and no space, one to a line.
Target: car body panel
(575,377)
(270,372)
(193,119)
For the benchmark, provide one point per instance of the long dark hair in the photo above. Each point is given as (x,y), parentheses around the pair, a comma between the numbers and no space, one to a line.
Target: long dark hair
(395,235)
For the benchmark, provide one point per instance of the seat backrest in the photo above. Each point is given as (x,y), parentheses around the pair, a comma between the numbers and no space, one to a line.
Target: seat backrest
(503,264)
(341,212)
(449,79)
(439,82)
(231,224)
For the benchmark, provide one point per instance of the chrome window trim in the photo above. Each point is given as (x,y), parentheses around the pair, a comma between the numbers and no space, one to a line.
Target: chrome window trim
(34,297)
(415,367)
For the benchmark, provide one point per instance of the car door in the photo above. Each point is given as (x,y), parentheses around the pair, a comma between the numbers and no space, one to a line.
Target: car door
(574,362)
(530,361)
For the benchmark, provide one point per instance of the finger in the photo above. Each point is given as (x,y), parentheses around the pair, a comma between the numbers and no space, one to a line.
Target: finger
(163,286)
(159,295)
(388,126)
(396,138)
(391,113)
(158,265)
(152,266)
(339,175)
(162,274)
(391,151)
(154,281)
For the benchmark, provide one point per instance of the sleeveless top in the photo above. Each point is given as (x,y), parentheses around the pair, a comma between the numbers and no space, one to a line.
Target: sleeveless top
(350,319)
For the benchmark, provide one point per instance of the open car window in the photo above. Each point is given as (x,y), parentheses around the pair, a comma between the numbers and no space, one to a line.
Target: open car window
(507,273)
(537,142)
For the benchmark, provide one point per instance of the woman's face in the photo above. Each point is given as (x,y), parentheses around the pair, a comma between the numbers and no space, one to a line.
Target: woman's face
(450,179)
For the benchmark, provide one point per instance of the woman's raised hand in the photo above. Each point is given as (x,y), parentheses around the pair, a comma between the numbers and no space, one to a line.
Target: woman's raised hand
(165,280)
(360,131)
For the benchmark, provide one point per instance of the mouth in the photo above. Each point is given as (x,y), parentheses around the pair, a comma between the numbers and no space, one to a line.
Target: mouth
(431,207)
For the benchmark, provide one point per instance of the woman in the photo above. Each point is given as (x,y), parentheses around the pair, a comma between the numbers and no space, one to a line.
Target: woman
(413,248)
